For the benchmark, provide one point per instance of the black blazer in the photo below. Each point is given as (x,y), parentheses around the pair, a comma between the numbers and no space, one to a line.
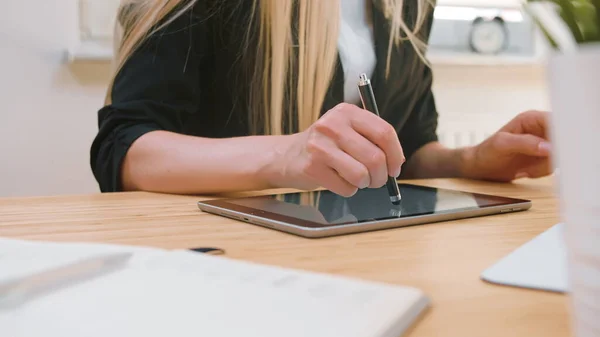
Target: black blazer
(188,78)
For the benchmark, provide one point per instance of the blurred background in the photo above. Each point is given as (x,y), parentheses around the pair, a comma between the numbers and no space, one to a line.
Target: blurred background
(55,65)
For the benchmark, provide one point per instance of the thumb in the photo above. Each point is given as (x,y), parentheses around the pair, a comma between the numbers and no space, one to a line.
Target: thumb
(526,144)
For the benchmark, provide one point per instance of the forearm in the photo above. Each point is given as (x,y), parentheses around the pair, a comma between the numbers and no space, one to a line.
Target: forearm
(436,161)
(167,162)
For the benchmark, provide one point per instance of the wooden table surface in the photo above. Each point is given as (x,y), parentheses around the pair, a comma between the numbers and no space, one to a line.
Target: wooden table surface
(443,259)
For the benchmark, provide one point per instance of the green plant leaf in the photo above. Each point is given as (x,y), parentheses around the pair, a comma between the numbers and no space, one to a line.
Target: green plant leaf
(582,17)
(586,17)
(596,4)
(540,25)
(568,14)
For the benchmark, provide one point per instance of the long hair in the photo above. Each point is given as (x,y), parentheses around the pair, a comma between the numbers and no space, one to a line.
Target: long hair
(278,72)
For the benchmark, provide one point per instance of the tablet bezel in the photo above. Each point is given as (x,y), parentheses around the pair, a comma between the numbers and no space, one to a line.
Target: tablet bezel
(305,228)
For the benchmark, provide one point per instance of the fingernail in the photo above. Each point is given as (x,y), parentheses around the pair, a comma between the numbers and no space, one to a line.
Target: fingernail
(399,170)
(521,175)
(365,183)
(545,147)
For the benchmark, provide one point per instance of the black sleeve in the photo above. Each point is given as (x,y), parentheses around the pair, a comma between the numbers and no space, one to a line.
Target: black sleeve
(155,90)
(421,126)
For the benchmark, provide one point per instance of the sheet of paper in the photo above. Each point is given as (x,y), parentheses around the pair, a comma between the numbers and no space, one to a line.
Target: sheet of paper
(181,293)
(539,264)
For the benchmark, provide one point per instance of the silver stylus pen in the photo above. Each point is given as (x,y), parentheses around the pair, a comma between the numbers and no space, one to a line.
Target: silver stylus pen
(368,101)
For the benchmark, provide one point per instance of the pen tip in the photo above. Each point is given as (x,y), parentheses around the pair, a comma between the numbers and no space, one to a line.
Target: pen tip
(363,77)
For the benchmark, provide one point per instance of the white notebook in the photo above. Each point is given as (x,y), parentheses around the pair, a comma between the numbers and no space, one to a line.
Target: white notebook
(180,293)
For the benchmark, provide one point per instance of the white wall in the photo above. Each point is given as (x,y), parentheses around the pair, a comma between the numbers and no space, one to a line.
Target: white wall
(475,101)
(40,94)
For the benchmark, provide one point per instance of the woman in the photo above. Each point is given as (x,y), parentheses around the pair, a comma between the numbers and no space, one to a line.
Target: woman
(228,95)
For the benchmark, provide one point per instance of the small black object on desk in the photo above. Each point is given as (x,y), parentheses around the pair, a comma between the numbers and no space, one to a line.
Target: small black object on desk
(209,250)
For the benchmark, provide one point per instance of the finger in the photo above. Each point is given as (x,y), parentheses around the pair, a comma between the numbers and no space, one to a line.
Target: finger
(382,134)
(537,123)
(328,178)
(537,170)
(526,144)
(350,169)
(365,152)
(359,159)
(324,150)
(530,122)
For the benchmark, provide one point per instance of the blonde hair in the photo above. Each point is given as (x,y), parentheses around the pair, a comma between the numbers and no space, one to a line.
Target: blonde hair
(278,72)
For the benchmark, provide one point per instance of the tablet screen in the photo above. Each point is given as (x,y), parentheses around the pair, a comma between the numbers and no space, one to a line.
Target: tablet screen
(325,208)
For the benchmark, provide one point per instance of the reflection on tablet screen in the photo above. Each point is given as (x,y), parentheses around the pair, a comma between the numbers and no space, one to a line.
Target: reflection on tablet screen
(327,208)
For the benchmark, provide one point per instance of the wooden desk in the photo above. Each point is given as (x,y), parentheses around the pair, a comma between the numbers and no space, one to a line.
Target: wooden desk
(444,259)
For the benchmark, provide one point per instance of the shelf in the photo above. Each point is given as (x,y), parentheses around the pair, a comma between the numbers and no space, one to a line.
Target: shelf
(466,59)
(93,50)
(481,3)
(103,51)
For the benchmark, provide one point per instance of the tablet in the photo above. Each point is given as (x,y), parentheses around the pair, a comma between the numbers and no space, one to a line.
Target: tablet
(315,214)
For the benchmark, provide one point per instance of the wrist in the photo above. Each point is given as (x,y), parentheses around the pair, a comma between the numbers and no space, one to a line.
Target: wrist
(467,162)
(275,167)
(437,161)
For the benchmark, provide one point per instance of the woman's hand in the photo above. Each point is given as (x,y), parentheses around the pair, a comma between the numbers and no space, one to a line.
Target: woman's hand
(519,149)
(347,149)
